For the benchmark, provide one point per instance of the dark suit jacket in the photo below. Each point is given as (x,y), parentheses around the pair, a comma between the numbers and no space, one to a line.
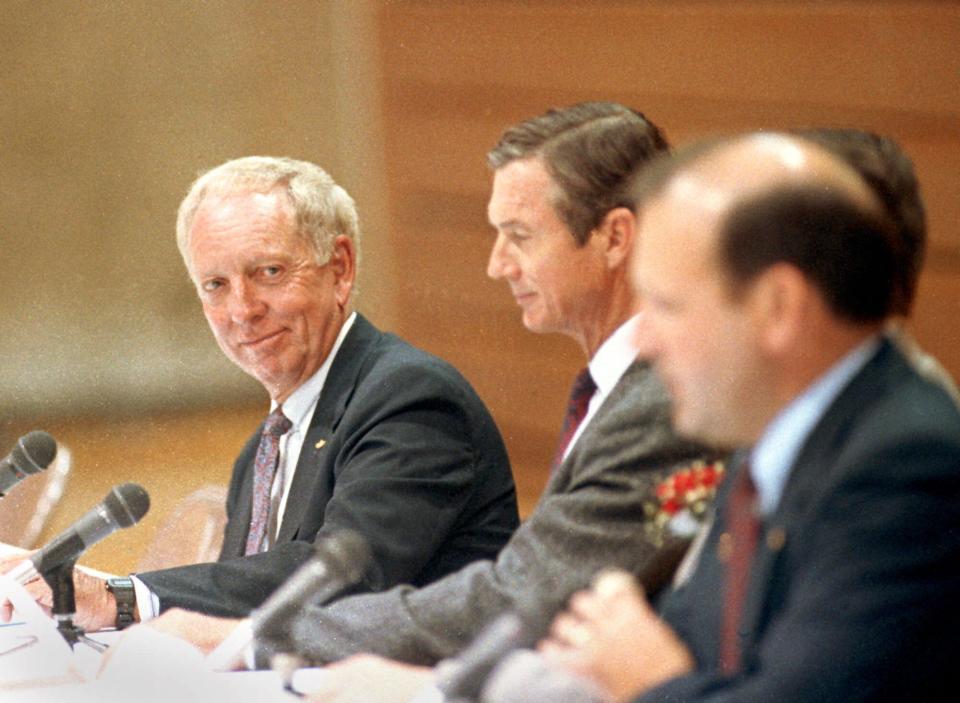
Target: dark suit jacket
(591,516)
(411,459)
(855,591)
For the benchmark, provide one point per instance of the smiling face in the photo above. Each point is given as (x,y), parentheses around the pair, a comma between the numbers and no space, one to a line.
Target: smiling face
(556,283)
(274,311)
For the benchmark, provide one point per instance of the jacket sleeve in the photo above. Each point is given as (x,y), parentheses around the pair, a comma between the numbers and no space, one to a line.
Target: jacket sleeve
(590,517)
(408,465)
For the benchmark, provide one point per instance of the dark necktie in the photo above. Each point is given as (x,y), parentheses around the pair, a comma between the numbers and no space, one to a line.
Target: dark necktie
(264,469)
(580,394)
(743,533)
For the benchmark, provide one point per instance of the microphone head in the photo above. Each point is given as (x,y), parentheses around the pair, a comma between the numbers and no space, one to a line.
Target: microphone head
(34,452)
(345,553)
(127,503)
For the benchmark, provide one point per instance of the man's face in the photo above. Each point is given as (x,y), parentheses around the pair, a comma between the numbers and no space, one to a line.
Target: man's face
(271,307)
(555,282)
(701,339)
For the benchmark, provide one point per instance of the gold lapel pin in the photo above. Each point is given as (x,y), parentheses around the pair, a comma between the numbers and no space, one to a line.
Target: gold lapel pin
(320,444)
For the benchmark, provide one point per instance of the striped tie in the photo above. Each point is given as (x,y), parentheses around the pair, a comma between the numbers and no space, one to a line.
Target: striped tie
(580,395)
(743,533)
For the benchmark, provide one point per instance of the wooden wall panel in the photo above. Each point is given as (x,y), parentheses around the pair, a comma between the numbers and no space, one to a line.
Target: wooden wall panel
(456,73)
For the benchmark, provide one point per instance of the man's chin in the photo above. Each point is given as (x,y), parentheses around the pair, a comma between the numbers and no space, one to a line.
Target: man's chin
(537,324)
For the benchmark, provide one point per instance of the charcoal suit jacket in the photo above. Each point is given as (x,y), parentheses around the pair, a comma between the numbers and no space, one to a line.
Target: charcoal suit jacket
(854,594)
(400,449)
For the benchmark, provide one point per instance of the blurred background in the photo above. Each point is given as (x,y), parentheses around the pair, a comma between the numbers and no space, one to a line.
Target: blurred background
(108,111)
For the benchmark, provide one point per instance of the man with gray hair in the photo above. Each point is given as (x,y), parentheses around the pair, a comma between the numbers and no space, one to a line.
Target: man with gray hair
(365,432)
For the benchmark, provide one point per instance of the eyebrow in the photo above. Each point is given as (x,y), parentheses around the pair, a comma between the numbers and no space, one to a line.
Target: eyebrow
(510,224)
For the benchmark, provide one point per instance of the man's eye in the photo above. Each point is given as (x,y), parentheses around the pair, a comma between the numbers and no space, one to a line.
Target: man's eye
(272,271)
(210,286)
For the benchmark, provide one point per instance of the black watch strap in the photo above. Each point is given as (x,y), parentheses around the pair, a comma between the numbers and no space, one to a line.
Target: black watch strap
(126,597)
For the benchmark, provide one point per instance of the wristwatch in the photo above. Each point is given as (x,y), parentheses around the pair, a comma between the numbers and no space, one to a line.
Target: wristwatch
(126,597)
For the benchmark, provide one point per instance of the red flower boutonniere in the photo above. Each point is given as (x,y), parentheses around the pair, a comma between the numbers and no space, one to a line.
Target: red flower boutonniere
(682,500)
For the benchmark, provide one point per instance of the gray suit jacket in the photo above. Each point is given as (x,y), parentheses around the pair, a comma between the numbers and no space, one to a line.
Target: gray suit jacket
(590,517)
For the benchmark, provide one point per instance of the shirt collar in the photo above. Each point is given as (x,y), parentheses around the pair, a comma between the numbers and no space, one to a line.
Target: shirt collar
(298,406)
(614,356)
(774,455)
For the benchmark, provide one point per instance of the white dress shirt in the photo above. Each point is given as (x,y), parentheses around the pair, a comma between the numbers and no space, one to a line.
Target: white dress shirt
(611,361)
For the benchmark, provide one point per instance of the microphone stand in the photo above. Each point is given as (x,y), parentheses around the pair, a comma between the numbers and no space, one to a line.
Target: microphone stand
(60,580)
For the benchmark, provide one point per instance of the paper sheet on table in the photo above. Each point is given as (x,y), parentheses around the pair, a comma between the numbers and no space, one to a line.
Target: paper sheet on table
(149,666)
(32,652)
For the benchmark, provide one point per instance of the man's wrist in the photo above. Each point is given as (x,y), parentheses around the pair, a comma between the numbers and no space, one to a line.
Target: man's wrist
(121,587)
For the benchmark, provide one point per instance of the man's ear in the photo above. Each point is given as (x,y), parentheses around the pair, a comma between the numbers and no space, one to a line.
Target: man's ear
(616,234)
(780,302)
(343,264)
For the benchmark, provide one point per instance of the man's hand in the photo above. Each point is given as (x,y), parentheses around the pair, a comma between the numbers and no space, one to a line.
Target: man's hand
(96,608)
(204,632)
(368,679)
(611,635)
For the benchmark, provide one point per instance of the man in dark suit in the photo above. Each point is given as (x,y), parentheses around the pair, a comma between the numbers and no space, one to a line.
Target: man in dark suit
(832,571)
(365,433)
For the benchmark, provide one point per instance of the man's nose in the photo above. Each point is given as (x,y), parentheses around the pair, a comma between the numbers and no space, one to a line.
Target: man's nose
(246,303)
(500,265)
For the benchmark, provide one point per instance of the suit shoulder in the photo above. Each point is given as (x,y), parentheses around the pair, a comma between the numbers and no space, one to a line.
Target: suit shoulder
(909,405)
(396,370)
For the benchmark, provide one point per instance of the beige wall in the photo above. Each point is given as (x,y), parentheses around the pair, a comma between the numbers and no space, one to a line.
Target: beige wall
(108,110)
(456,73)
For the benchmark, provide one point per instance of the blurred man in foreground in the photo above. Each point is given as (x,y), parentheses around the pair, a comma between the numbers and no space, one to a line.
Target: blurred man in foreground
(832,572)
(365,432)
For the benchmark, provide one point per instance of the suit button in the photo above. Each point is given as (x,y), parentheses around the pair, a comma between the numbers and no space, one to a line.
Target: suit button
(776,538)
(725,547)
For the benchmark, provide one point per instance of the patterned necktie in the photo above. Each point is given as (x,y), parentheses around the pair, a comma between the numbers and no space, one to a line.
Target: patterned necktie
(264,469)
(743,533)
(580,394)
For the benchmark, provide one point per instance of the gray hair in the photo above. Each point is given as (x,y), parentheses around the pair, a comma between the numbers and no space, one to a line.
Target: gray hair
(322,210)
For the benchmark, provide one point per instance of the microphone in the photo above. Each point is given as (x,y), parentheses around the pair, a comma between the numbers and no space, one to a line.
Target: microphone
(124,506)
(462,678)
(339,561)
(32,454)
(657,574)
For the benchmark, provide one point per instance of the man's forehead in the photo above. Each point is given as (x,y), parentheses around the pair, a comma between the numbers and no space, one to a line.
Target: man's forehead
(234,202)
(518,187)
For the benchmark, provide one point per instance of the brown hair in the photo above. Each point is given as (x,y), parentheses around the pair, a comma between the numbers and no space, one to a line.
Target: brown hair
(591,150)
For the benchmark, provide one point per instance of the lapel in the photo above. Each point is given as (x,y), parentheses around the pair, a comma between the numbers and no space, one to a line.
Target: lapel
(235,533)
(337,391)
(561,479)
(810,479)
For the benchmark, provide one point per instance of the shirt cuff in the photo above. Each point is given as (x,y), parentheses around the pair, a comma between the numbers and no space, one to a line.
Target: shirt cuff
(148,603)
